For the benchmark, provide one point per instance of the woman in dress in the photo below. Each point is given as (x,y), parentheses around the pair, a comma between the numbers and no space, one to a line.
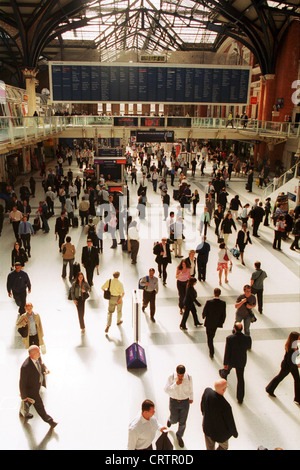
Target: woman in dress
(79,293)
(224,262)
(288,365)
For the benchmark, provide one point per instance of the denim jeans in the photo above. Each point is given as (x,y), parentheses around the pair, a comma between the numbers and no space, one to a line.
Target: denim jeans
(64,270)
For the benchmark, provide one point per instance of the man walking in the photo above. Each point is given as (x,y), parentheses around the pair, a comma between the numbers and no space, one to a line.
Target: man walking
(235,356)
(25,233)
(257,284)
(202,250)
(150,284)
(214,315)
(142,430)
(90,260)
(61,228)
(244,305)
(218,421)
(257,214)
(32,377)
(68,255)
(17,284)
(163,258)
(180,389)
(117,293)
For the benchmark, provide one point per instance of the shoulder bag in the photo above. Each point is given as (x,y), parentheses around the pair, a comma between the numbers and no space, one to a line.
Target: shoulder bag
(107,293)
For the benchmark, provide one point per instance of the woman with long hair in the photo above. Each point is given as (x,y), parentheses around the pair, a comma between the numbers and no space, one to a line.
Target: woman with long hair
(189,304)
(18,255)
(79,294)
(183,274)
(288,365)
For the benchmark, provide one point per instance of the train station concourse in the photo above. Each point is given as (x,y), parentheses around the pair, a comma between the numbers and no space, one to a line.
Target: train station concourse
(144,106)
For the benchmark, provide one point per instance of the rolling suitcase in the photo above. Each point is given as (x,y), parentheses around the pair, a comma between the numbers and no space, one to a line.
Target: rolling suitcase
(75,222)
(76,269)
(36,223)
(176,194)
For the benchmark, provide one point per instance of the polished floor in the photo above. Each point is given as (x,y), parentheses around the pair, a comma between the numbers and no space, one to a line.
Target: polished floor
(92,394)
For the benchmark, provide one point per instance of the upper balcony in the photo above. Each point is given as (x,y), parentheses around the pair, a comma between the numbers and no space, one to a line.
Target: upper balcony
(18,131)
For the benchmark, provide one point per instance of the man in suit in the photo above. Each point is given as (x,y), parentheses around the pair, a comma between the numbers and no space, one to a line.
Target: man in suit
(163,258)
(203,250)
(90,260)
(257,214)
(214,314)
(61,228)
(218,421)
(32,377)
(235,356)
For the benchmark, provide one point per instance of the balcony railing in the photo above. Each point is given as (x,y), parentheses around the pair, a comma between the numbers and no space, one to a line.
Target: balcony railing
(13,129)
(293,172)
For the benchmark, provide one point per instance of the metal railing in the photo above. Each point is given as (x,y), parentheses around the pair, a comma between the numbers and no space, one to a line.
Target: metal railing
(13,129)
(25,128)
(293,172)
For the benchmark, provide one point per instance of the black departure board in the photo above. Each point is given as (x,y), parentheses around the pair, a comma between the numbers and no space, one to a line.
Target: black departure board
(163,83)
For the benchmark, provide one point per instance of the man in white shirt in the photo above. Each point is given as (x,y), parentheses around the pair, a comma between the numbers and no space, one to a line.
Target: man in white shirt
(180,389)
(143,428)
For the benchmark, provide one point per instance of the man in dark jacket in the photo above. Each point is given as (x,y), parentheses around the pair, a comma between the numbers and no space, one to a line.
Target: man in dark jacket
(163,258)
(202,250)
(17,284)
(62,228)
(218,421)
(235,356)
(214,314)
(32,377)
(90,260)
(257,214)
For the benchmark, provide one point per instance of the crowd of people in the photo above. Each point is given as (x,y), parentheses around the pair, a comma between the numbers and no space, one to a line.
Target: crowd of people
(86,201)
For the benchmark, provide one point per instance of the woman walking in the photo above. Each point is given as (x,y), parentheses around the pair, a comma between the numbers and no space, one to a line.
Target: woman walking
(218,217)
(224,258)
(183,274)
(288,365)
(243,238)
(278,233)
(79,294)
(226,226)
(189,304)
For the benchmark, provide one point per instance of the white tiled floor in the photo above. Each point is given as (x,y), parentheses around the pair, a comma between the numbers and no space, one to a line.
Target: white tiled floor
(91,393)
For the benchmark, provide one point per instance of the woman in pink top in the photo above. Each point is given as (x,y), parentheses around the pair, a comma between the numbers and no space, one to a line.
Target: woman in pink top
(183,274)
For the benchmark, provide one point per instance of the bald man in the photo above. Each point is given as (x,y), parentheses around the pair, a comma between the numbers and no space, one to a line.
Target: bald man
(218,422)
(32,377)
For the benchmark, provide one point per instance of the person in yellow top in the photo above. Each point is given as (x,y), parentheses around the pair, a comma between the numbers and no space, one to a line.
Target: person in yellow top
(116,299)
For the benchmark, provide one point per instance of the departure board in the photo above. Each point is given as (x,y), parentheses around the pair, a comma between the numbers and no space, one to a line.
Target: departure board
(136,83)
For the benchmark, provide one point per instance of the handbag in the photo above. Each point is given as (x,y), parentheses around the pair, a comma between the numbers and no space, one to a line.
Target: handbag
(85,296)
(252,317)
(226,256)
(23,330)
(107,293)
